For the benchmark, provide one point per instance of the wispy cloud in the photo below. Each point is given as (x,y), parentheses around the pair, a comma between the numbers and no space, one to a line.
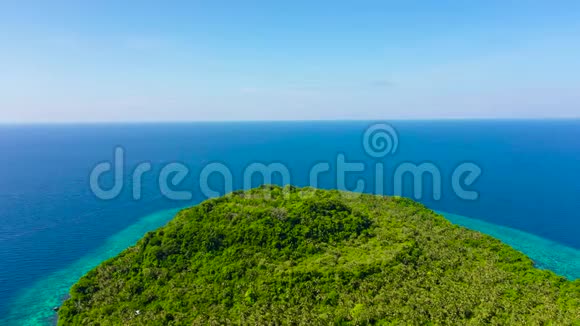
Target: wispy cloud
(381,83)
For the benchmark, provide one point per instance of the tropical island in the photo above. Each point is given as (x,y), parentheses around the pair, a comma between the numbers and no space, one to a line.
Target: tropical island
(290,255)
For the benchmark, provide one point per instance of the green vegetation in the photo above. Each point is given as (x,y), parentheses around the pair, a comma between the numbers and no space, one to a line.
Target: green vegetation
(276,255)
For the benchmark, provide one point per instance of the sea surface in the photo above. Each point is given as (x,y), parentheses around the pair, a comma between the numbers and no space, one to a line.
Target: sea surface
(54,228)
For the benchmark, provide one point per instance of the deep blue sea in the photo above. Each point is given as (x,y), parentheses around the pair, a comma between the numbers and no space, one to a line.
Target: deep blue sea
(54,228)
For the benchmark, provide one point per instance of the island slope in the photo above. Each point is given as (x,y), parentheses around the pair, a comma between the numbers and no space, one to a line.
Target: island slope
(275,255)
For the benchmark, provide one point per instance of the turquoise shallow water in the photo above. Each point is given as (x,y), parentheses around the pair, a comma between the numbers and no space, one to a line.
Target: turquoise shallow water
(33,306)
(547,254)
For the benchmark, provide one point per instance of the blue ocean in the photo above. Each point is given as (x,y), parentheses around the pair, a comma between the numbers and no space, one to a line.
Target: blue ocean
(54,228)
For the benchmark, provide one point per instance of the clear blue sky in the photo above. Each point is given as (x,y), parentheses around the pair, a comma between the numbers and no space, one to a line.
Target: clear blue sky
(66,61)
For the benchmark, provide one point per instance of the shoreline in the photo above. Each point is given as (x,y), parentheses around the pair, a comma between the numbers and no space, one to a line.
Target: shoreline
(34,305)
(49,292)
(546,254)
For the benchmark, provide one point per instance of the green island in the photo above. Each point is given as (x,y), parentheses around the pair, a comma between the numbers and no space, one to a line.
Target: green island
(289,255)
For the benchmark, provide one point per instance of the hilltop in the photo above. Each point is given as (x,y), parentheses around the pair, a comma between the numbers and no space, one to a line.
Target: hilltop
(275,255)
